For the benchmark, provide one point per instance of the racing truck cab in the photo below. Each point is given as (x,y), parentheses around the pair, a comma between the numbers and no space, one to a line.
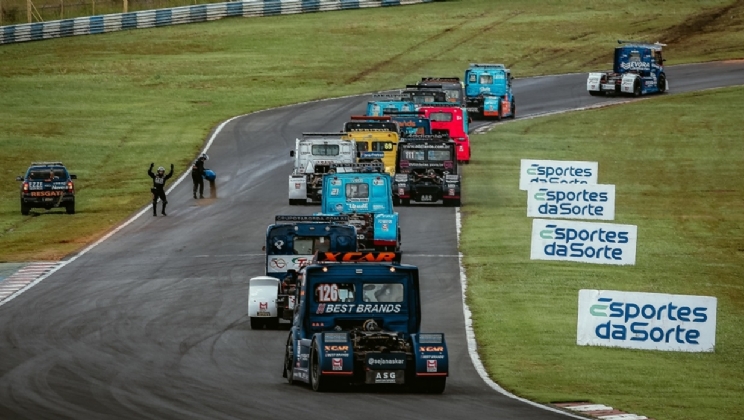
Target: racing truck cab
(488,91)
(451,86)
(313,155)
(358,321)
(291,243)
(376,139)
(450,120)
(426,171)
(362,192)
(388,102)
(638,69)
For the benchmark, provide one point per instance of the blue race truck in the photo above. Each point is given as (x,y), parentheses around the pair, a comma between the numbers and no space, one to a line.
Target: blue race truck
(488,91)
(358,321)
(291,243)
(388,102)
(362,191)
(638,69)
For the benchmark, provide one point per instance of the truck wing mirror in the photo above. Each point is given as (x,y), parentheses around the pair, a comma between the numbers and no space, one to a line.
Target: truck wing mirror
(19,178)
(263,248)
(291,153)
(73,176)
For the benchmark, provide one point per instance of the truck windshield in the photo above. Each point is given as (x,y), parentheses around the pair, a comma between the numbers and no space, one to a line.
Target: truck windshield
(441,116)
(311,245)
(439,155)
(47,174)
(383,292)
(334,292)
(357,190)
(325,149)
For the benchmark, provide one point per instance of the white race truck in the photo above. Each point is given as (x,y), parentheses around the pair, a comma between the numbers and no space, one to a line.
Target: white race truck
(313,155)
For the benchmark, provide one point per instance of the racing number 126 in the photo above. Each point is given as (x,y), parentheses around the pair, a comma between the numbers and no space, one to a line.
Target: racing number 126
(327,293)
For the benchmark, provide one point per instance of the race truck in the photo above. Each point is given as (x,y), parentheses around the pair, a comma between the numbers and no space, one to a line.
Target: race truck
(376,139)
(451,86)
(450,120)
(638,69)
(388,102)
(488,91)
(426,95)
(362,191)
(358,322)
(313,155)
(426,171)
(291,243)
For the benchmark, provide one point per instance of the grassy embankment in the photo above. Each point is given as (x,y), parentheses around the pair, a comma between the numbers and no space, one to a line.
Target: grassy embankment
(108,105)
(678,168)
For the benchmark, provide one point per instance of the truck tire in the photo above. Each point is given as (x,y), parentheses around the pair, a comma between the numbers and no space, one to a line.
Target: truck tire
(637,88)
(70,208)
(596,92)
(431,385)
(317,382)
(513,110)
(455,202)
(662,83)
(296,201)
(498,117)
(25,209)
(405,202)
(256,323)
(289,361)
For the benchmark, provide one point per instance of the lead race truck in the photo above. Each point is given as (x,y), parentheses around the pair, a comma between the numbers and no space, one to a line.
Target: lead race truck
(291,242)
(638,69)
(488,91)
(362,191)
(313,155)
(358,321)
(426,171)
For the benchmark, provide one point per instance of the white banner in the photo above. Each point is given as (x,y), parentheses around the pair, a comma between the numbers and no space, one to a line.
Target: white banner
(571,201)
(595,243)
(557,172)
(648,321)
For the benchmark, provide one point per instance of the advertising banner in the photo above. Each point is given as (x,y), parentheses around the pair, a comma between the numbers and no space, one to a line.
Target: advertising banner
(557,172)
(571,201)
(595,243)
(282,263)
(647,321)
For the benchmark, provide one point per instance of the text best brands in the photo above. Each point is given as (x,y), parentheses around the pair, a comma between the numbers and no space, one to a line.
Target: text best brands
(557,172)
(596,243)
(571,201)
(648,321)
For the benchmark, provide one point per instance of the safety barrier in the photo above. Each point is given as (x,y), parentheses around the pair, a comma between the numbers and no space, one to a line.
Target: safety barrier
(177,15)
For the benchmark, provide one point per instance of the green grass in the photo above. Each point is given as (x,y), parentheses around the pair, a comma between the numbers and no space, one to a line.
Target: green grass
(678,167)
(108,105)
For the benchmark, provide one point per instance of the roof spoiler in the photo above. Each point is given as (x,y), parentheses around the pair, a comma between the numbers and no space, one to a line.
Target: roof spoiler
(283,218)
(440,79)
(368,118)
(47,164)
(655,44)
(487,65)
(411,113)
(322,134)
(357,257)
(420,87)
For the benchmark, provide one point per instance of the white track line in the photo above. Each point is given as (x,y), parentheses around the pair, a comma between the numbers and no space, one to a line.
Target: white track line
(473,345)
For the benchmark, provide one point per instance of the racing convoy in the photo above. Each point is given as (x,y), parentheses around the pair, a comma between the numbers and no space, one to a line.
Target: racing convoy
(362,192)
(313,155)
(358,322)
(638,69)
(47,185)
(426,171)
(291,243)
(488,91)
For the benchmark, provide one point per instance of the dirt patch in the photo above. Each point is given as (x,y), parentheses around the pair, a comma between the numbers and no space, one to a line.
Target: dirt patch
(703,22)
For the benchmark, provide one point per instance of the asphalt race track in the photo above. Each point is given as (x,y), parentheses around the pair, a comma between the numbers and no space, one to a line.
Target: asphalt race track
(152,324)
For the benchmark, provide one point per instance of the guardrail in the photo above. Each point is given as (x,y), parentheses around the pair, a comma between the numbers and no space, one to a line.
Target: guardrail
(178,15)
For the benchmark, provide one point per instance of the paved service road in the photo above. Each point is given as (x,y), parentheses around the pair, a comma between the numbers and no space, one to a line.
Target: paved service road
(151,324)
